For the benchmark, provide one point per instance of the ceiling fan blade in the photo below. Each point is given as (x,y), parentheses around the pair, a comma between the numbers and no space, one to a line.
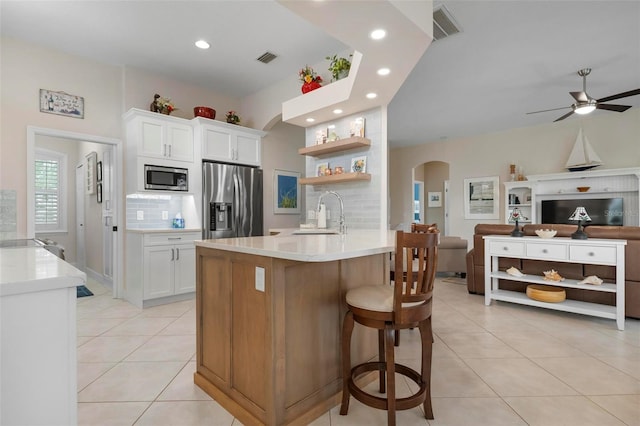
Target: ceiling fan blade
(610,107)
(545,110)
(580,96)
(620,95)
(564,116)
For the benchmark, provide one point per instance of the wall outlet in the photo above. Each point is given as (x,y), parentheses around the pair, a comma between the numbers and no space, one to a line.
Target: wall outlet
(165,215)
(259,278)
(140,215)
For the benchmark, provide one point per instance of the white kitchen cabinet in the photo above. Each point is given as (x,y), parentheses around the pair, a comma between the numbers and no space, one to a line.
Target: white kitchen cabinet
(160,136)
(229,143)
(161,266)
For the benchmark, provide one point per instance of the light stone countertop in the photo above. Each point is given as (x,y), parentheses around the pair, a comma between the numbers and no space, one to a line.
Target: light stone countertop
(161,230)
(32,269)
(309,248)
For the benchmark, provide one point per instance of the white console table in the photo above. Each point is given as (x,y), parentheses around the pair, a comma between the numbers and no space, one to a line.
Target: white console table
(591,251)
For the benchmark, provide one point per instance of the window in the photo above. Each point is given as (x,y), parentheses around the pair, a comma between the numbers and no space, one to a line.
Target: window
(50,191)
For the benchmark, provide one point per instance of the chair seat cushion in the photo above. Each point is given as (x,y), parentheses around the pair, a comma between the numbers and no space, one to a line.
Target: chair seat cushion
(377,298)
(372,297)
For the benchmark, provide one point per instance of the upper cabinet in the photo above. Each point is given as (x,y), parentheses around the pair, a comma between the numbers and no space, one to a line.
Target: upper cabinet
(229,143)
(160,136)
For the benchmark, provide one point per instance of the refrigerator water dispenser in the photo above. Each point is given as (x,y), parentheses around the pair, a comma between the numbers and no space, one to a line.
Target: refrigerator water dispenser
(220,214)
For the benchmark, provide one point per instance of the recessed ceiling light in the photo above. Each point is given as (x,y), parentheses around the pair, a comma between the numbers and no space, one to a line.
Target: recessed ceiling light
(337,111)
(378,34)
(372,95)
(202,44)
(384,71)
(310,120)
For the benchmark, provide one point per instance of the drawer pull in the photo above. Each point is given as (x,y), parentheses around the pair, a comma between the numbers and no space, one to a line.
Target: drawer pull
(175,238)
(545,251)
(505,248)
(591,254)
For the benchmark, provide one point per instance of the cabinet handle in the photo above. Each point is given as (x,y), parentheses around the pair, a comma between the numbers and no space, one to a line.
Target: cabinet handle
(545,251)
(591,254)
(172,254)
(177,254)
(164,149)
(169,150)
(174,238)
(505,248)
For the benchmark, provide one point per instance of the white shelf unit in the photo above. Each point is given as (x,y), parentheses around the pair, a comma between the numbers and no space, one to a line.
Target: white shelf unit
(592,251)
(604,183)
(520,194)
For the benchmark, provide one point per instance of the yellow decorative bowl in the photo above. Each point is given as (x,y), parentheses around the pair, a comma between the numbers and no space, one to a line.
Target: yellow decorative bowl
(546,293)
(546,233)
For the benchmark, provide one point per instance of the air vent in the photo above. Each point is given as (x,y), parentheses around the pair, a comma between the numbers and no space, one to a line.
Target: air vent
(444,24)
(267,57)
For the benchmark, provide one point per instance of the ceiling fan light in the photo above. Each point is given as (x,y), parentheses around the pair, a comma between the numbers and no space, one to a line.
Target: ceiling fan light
(584,109)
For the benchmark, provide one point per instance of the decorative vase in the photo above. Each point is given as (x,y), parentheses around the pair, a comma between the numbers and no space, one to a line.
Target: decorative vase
(307,87)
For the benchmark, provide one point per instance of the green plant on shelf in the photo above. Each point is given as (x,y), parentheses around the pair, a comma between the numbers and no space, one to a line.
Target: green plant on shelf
(339,66)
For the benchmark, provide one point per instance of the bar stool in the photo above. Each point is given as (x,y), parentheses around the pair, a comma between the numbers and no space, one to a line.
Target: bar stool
(406,304)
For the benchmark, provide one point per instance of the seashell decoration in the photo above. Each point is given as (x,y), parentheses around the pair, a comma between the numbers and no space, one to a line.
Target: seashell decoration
(514,271)
(552,275)
(591,279)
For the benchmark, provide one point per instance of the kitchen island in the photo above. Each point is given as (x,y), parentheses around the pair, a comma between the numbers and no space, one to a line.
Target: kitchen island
(269,318)
(38,337)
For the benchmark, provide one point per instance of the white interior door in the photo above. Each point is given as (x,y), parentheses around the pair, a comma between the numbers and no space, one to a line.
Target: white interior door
(80,189)
(107,215)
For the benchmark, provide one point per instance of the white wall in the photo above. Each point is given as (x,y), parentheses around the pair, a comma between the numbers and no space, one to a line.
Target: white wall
(542,149)
(364,202)
(280,151)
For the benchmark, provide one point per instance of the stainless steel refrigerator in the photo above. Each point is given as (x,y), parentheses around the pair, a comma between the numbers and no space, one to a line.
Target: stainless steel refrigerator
(231,200)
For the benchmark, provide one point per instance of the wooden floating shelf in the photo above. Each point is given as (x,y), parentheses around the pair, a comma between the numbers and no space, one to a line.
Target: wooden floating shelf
(343,177)
(335,146)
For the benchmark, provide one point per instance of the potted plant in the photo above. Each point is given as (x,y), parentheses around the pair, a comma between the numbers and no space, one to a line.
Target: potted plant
(310,80)
(339,66)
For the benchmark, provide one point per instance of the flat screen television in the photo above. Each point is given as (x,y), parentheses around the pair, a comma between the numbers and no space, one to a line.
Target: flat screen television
(602,211)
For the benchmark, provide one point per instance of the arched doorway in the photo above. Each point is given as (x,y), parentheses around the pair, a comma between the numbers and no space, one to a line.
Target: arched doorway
(430,189)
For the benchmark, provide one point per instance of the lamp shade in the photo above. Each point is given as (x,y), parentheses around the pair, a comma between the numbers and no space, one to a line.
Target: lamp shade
(515,215)
(580,214)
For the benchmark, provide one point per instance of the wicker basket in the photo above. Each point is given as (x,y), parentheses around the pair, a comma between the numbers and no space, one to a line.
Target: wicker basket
(546,293)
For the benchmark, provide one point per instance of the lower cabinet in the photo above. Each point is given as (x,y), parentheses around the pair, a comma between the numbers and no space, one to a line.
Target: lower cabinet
(160,267)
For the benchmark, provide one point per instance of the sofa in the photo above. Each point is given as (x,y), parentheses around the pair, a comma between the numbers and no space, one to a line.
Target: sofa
(475,263)
(451,255)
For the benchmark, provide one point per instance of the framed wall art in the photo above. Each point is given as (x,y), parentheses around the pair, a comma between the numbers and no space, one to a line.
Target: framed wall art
(286,192)
(99,171)
(61,103)
(481,198)
(434,199)
(99,193)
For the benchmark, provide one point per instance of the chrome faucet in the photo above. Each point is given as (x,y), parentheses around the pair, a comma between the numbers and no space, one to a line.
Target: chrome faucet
(343,226)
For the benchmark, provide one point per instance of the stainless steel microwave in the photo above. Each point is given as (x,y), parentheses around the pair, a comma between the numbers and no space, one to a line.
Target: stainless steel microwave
(163,178)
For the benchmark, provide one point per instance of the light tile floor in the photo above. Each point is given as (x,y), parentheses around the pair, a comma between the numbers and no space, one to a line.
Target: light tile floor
(500,365)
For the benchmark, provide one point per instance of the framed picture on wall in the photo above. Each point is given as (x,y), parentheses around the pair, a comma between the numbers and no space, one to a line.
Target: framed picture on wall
(286,192)
(434,199)
(99,171)
(61,103)
(99,193)
(481,198)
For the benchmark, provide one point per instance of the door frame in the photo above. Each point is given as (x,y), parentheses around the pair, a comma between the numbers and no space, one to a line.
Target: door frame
(118,192)
(80,217)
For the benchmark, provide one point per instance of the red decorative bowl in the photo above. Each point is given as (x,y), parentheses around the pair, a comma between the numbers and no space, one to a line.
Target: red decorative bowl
(205,112)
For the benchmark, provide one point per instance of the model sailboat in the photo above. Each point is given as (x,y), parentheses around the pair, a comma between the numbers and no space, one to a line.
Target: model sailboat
(582,157)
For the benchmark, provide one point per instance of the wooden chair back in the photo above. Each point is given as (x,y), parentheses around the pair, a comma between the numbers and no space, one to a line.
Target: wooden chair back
(413,292)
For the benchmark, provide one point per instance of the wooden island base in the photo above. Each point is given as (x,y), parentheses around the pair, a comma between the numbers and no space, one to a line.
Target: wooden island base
(269,332)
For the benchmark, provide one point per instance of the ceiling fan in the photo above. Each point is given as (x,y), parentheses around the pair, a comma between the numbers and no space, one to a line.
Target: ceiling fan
(585,104)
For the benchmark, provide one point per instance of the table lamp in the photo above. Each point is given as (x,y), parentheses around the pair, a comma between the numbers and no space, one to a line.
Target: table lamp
(580,215)
(515,216)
